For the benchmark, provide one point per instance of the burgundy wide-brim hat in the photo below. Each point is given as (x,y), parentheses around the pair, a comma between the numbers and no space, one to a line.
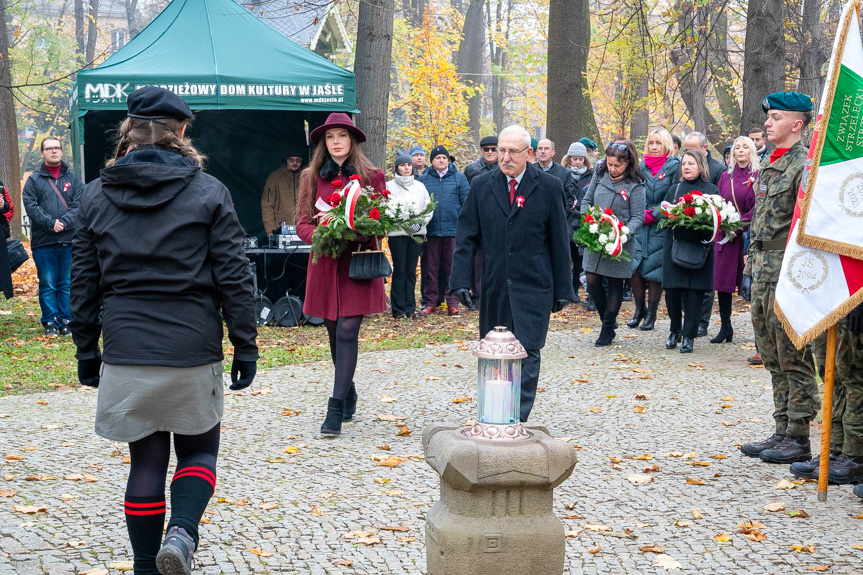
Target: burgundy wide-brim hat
(337,120)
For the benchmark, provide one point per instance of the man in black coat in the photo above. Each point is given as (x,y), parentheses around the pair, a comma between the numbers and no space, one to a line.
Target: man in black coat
(515,214)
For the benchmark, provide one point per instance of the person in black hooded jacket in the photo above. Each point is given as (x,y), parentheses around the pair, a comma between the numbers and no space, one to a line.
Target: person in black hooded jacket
(158,250)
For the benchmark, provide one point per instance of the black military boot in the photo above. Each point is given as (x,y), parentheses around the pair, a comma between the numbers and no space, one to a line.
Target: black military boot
(350,403)
(858,490)
(335,413)
(793,448)
(650,316)
(809,469)
(673,339)
(639,314)
(847,469)
(755,448)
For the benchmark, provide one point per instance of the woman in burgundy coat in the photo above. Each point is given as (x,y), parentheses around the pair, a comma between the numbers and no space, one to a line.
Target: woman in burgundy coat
(735,186)
(330,293)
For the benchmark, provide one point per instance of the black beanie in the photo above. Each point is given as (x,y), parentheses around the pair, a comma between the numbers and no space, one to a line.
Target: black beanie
(437,151)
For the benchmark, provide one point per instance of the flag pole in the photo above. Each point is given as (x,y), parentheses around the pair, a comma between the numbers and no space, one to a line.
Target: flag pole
(827,413)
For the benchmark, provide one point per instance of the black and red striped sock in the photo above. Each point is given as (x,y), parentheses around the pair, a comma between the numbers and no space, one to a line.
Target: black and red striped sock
(145,520)
(191,489)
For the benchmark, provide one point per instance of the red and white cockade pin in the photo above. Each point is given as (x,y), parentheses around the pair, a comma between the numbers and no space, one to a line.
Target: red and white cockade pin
(660,176)
(622,193)
(66,186)
(519,201)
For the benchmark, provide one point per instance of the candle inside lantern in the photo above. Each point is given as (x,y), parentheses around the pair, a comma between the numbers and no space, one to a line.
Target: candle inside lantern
(497,402)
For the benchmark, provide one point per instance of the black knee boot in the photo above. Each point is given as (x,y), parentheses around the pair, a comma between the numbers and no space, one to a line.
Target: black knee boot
(335,413)
(726,332)
(638,315)
(650,316)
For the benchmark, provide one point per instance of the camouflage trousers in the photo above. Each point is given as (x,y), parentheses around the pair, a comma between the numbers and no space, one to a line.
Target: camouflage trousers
(795,392)
(846,430)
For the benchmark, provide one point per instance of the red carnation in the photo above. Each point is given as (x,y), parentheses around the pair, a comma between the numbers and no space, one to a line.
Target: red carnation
(385,193)
(588,219)
(696,193)
(690,211)
(335,199)
(687,198)
(357,177)
(337,184)
(609,211)
(375,214)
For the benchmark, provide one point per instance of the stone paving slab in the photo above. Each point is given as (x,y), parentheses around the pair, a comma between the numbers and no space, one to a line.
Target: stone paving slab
(705,404)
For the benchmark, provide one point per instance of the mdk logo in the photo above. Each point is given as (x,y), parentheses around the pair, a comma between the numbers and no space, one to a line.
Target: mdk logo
(105,91)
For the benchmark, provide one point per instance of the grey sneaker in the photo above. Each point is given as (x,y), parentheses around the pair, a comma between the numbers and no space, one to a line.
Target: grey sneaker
(176,557)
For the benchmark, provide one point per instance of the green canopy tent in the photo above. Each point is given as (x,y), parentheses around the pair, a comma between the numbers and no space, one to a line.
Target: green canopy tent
(254,92)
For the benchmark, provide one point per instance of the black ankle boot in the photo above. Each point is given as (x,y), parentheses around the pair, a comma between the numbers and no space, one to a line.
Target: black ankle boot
(350,403)
(673,340)
(726,332)
(686,345)
(650,317)
(638,315)
(335,413)
(606,335)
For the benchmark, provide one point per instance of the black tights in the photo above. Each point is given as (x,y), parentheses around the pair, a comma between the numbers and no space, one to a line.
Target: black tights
(151,454)
(641,285)
(685,303)
(344,336)
(609,305)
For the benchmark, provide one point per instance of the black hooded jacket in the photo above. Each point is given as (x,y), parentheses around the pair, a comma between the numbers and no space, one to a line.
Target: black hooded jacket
(159,247)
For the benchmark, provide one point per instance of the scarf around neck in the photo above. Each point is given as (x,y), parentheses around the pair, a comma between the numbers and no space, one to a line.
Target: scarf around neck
(655,163)
(577,171)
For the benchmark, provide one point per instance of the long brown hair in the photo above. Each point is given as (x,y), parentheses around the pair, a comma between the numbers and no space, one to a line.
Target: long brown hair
(309,178)
(162,133)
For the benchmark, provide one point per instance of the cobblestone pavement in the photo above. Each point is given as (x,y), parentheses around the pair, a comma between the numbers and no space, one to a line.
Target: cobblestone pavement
(704,404)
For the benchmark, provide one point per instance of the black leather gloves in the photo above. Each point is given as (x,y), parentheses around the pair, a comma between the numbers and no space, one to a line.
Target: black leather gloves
(746,288)
(558,305)
(855,320)
(242,374)
(88,371)
(463,296)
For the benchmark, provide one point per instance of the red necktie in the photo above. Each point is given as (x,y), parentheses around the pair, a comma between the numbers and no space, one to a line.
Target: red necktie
(512,184)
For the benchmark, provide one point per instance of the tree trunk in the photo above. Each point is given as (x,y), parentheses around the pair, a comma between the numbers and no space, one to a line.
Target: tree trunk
(470,58)
(10,172)
(92,32)
(132,17)
(813,52)
(764,58)
(498,25)
(372,69)
(415,11)
(79,26)
(640,120)
(721,71)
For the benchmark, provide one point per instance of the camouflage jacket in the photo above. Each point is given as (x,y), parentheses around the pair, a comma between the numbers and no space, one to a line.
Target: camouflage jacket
(775,197)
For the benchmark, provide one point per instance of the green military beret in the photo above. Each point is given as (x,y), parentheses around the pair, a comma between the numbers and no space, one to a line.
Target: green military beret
(534,143)
(588,143)
(791,101)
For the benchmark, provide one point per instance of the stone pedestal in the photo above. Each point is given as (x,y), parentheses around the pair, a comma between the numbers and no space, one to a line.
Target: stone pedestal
(495,509)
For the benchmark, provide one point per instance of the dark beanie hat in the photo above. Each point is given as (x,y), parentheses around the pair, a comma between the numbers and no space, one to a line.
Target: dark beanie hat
(437,151)
(154,103)
(402,158)
(488,141)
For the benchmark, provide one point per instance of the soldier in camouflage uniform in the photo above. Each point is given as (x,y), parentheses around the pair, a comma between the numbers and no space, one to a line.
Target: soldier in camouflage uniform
(846,430)
(795,393)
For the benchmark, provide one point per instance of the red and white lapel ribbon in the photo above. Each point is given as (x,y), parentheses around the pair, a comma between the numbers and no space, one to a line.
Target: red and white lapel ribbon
(615,232)
(351,195)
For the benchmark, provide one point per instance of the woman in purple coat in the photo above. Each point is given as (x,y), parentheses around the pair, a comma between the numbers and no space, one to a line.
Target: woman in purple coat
(736,186)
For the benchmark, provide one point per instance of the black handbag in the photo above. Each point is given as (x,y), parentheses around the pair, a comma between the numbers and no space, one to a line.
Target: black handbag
(689,255)
(369,265)
(16,253)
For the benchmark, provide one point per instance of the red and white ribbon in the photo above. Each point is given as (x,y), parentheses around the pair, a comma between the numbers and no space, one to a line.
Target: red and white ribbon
(615,232)
(324,207)
(714,211)
(352,195)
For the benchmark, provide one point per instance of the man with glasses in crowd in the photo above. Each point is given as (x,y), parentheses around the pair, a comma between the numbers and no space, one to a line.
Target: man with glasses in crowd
(545,153)
(50,198)
(515,214)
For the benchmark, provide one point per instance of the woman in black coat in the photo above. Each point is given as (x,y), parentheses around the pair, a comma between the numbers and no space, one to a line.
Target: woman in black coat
(5,272)
(574,188)
(685,288)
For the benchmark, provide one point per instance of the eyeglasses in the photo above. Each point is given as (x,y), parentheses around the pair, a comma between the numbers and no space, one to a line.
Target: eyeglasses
(489,149)
(52,149)
(512,153)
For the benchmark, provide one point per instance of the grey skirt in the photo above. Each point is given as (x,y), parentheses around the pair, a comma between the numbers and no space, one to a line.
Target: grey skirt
(136,401)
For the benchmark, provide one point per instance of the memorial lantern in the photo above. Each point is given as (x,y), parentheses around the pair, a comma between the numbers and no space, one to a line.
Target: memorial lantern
(499,378)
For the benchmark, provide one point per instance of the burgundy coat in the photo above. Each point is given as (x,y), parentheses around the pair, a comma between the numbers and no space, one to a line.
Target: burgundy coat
(728,262)
(330,293)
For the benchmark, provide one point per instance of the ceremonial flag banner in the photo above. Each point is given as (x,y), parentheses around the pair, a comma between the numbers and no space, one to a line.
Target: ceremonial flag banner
(818,287)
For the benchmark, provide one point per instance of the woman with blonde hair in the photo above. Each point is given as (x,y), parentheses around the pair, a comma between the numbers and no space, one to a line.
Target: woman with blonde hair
(736,185)
(157,265)
(330,292)
(659,168)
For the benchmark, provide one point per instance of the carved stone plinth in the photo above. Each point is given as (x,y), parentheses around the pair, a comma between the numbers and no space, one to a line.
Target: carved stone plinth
(495,509)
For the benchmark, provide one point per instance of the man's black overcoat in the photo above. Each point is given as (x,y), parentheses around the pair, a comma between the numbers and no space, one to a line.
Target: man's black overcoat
(526,260)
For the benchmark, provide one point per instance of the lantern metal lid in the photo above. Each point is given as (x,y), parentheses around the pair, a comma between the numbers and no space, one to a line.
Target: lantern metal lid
(500,343)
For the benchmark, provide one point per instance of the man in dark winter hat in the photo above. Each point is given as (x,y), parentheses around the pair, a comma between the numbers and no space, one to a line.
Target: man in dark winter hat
(282,190)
